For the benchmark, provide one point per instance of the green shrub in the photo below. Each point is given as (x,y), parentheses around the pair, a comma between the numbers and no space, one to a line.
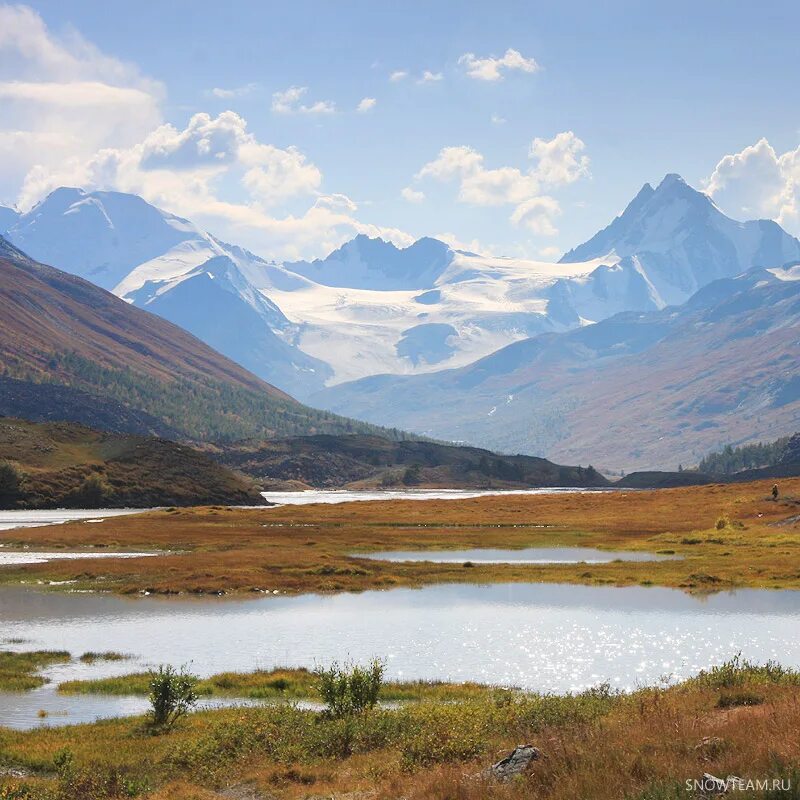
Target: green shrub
(350,689)
(739,671)
(734,699)
(11,478)
(413,475)
(94,492)
(172,694)
(93,781)
(437,733)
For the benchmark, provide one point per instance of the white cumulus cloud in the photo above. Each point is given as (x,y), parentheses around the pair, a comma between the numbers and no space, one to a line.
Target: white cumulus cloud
(61,97)
(757,182)
(430,77)
(560,159)
(290,102)
(557,162)
(537,213)
(366,104)
(493,69)
(398,75)
(412,195)
(237,91)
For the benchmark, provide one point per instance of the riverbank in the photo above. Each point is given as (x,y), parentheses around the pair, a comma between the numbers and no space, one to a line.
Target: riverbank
(728,536)
(737,719)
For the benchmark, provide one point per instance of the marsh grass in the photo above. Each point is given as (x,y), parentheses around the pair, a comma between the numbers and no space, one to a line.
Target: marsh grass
(597,744)
(108,655)
(247,551)
(18,670)
(740,671)
(280,683)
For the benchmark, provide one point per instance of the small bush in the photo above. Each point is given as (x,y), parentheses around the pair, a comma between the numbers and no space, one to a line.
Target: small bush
(93,781)
(94,492)
(11,478)
(350,689)
(438,733)
(413,475)
(739,671)
(734,699)
(172,694)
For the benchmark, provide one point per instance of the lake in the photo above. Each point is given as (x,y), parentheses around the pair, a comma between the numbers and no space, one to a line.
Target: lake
(545,637)
(34,519)
(348,496)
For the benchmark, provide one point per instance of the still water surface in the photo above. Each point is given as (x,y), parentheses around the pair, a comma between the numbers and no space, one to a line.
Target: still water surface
(347,496)
(34,519)
(545,637)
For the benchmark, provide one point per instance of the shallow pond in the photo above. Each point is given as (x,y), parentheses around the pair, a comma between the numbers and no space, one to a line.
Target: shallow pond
(546,637)
(15,557)
(33,519)
(527,555)
(346,496)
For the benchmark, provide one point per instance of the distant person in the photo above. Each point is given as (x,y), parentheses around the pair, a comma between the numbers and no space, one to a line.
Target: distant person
(775,492)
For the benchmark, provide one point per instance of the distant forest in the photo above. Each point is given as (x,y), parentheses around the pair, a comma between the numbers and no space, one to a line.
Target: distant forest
(202,409)
(730,459)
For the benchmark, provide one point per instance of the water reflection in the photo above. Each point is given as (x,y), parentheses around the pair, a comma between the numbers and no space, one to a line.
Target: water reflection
(543,637)
(34,519)
(346,496)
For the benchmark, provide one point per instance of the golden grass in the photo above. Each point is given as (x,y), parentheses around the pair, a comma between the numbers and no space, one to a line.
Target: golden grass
(281,683)
(596,745)
(726,534)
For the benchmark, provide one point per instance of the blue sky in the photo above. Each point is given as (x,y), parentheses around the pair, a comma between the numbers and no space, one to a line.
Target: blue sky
(634,90)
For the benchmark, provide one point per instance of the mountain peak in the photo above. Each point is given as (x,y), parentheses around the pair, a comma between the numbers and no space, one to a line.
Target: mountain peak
(671,179)
(124,230)
(373,263)
(62,197)
(677,237)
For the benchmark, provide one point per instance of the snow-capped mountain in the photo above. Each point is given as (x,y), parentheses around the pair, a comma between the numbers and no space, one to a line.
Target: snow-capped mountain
(443,307)
(100,236)
(668,243)
(365,263)
(371,308)
(640,390)
(165,264)
(8,216)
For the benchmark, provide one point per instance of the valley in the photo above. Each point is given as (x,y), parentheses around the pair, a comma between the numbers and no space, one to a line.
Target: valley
(692,625)
(399,401)
(728,536)
(387,334)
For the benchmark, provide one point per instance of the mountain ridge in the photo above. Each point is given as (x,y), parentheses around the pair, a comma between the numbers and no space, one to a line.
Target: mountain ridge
(372,308)
(639,390)
(59,329)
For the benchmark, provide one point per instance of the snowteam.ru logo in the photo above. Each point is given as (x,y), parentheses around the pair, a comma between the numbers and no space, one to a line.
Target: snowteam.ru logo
(713,785)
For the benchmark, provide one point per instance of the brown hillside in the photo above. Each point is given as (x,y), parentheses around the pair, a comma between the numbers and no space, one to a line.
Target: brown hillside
(126,370)
(43,309)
